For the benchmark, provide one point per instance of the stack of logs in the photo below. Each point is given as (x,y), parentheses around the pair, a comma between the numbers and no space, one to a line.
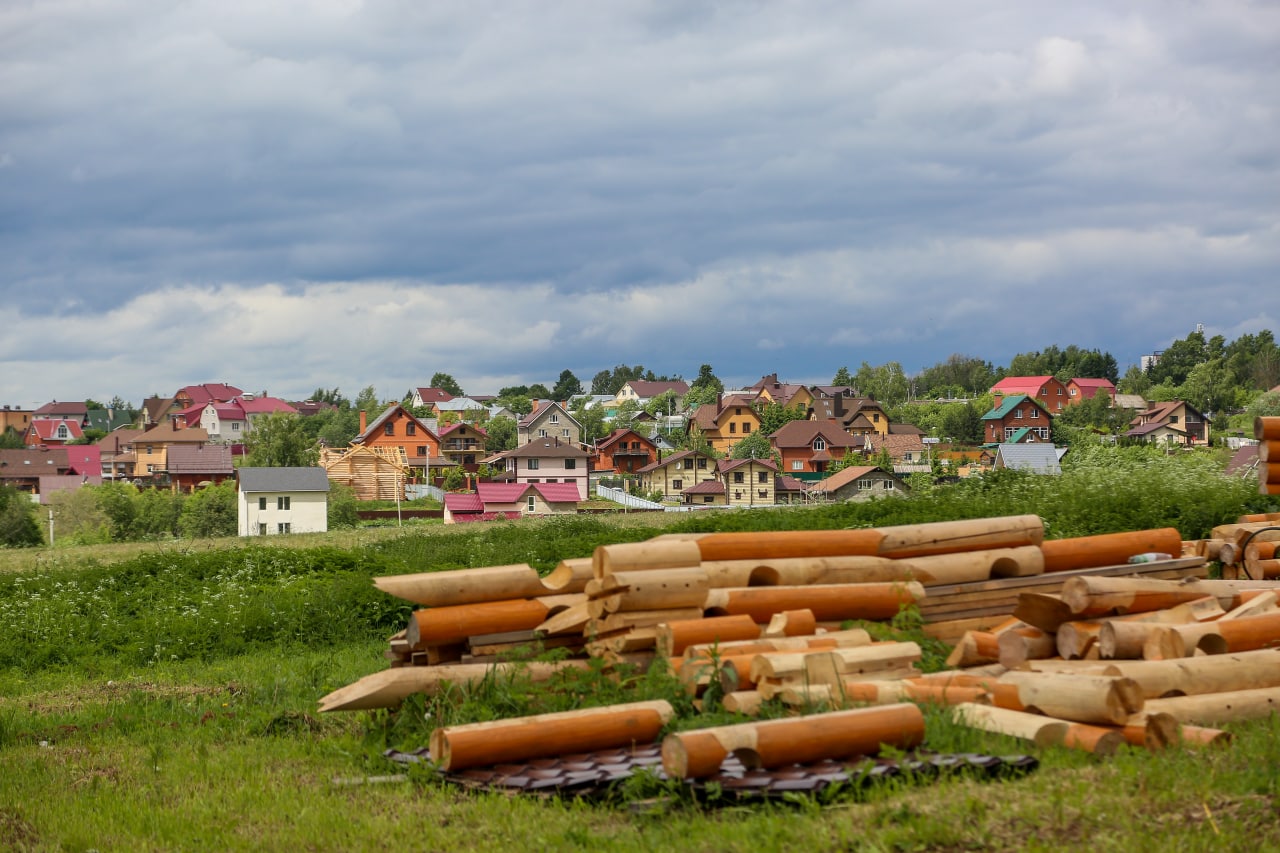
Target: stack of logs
(1267,432)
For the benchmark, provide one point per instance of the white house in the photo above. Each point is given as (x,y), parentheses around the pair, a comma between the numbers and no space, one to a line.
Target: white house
(282,500)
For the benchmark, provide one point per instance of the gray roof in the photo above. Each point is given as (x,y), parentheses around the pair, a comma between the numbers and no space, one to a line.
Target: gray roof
(283,480)
(1040,457)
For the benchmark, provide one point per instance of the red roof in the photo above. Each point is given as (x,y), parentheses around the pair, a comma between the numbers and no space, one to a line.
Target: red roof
(84,459)
(1090,387)
(434,395)
(501,493)
(46,429)
(457,502)
(706,487)
(210,391)
(558,493)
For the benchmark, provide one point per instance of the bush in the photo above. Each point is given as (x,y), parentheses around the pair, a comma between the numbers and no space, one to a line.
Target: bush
(18,525)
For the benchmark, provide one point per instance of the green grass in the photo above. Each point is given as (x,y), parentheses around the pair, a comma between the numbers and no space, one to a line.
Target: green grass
(162,697)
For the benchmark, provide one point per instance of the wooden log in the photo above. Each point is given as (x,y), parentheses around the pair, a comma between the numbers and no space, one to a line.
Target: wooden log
(975,647)
(1266,428)
(464,586)
(1018,646)
(1043,610)
(640,556)
(1264,569)
(1099,740)
(844,663)
(970,566)
(571,620)
(834,602)
(777,743)
(1203,736)
(1101,596)
(1155,733)
(1211,674)
(388,688)
(745,702)
(1041,730)
(813,697)
(774,544)
(1260,631)
(1079,698)
(677,635)
(657,589)
(800,571)
(451,624)
(1268,451)
(518,739)
(830,640)
(643,619)
(944,537)
(791,623)
(1210,709)
(1264,550)
(1075,639)
(569,575)
(1255,606)
(1108,548)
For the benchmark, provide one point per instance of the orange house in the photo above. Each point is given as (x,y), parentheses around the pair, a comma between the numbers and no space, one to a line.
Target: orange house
(397,428)
(625,451)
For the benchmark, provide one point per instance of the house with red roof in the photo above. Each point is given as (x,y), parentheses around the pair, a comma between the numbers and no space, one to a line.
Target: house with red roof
(546,460)
(494,500)
(51,432)
(397,429)
(1079,390)
(788,395)
(1172,422)
(1049,390)
(228,421)
(624,451)
(421,398)
(809,447)
(191,465)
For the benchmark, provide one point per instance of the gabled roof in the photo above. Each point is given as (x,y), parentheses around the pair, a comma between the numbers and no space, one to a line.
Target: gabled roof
(375,426)
(783,483)
(497,493)
(620,433)
(461,425)
(1008,404)
(803,433)
(46,428)
(707,416)
(674,457)
(57,410)
(1029,385)
(853,473)
(543,408)
(1153,426)
(209,391)
(724,466)
(1041,458)
(263,405)
(897,444)
(1131,401)
(283,480)
(200,459)
(463,502)
(165,433)
(649,389)
(705,487)
(32,462)
(1090,387)
(434,395)
(84,459)
(117,440)
(547,448)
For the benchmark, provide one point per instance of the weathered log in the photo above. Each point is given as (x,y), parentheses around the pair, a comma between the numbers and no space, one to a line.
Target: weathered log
(1260,631)
(776,743)
(1099,740)
(829,640)
(1264,550)
(1265,569)
(1213,708)
(1100,596)
(1256,605)
(745,702)
(451,624)
(1195,675)
(571,620)
(799,571)
(1268,451)
(464,586)
(1020,645)
(1043,610)
(969,566)
(810,696)
(569,575)
(1203,736)
(677,635)
(1155,732)
(1108,549)
(975,647)
(517,739)
(1079,698)
(946,537)
(834,602)
(834,666)
(388,688)
(656,589)
(773,544)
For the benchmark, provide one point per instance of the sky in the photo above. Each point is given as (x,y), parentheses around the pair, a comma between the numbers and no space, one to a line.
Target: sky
(305,194)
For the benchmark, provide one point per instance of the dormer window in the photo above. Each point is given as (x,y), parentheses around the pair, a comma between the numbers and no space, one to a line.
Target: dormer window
(819,444)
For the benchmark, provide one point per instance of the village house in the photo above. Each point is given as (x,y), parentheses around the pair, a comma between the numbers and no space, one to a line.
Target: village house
(857,482)
(190,466)
(463,443)
(624,451)
(671,475)
(546,460)
(272,501)
(727,421)
(116,450)
(1079,390)
(227,422)
(398,428)
(641,391)
(747,482)
(810,447)
(1013,414)
(548,419)
(787,395)
(1175,422)
(1048,390)
(51,432)
(15,419)
(151,448)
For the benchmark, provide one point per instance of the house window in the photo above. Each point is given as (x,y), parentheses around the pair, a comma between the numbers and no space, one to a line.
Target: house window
(1009,431)
(532,464)
(565,432)
(262,529)
(1059,392)
(1173,419)
(746,428)
(864,485)
(762,477)
(737,494)
(422,450)
(388,429)
(733,427)
(542,433)
(554,419)
(283,502)
(533,480)
(1035,413)
(410,428)
(764,493)
(531,506)
(739,477)
(875,417)
(702,464)
(819,444)
(797,465)
(570,464)
(1072,392)
(262,503)
(906,457)
(1043,432)
(235,426)
(706,499)
(282,527)
(1017,413)
(677,484)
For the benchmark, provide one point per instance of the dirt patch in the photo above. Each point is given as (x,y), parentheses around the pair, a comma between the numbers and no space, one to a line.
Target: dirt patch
(16,832)
(102,693)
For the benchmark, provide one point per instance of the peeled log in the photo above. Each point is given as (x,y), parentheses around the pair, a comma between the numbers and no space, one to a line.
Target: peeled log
(569,575)
(1040,730)
(438,625)
(1266,429)
(975,647)
(1100,596)
(464,586)
(1079,698)
(1022,644)
(1214,674)
(1268,451)
(676,636)
(829,603)
(1096,739)
(1108,549)
(1242,635)
(971,566)
(545,735)
(772,544)
(388,688)
(639,556)
(829,640)
(798,571)
(1214,708)
(776,743)
(791,623)
(657,589)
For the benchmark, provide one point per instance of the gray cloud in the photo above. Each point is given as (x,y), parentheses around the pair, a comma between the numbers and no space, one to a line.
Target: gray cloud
(764,187)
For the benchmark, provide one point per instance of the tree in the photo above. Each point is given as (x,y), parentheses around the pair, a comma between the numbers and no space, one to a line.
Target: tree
(961,422)
(342,506)
(78,518)
(842,378)
(329,395)
(626,414)
(774,416)
(367,400)
(501,433)
(120,504)
(707,379)
(447,383)
(210,512)
(592,420)
(886,384)
(566,386)
(279,440)
(159,511)
(700,396)
(454,479)
(18,525)
(755,446)
(883,460)
(11,439)
(538,391)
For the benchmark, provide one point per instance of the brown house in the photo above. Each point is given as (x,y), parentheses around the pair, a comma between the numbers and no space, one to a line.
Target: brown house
(192,465)
(1012,415)
(624,451)
(677,472)
(811,446)
(1174,422)
(1049,390)
(463,443)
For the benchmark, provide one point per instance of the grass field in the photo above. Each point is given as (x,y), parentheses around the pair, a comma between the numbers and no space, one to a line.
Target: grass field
(163,698)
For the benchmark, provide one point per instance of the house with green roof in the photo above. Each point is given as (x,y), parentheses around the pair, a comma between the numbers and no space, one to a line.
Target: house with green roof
(1019,419)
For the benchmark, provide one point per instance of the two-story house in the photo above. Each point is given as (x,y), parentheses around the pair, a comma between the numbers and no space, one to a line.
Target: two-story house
(1175,422)
(282,500)
(12,418)
(397,428)
(748,482)
(1049,390)
(641,391)
(227,422)
(546,460)
(1079,390)
(624,451)
(463,443)
(116,451)
(151,448)
(726,421)
(191,465)
(809,447)
(548,419)
(1017,418)
(785,394)
(671,475)
(51,432)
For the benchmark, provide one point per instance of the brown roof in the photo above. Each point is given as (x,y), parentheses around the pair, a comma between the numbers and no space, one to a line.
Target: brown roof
(545,448)
(848,475)
(165,433)
(200,459)
(646,388)
(802,434)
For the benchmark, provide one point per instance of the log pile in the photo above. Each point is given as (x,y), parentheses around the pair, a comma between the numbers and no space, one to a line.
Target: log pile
(1267,432)
(1246,549)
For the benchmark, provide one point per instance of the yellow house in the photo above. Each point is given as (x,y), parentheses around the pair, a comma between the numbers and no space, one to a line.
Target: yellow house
(151,448)
(677,472)
(748,482)
(727,421)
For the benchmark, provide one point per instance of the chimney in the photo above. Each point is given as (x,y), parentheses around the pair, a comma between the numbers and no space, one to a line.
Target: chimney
(363,425)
